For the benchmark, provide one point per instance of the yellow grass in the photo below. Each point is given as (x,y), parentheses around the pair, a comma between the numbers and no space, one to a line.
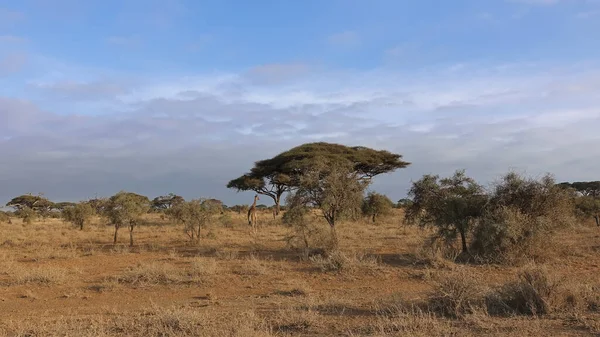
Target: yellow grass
(56,280)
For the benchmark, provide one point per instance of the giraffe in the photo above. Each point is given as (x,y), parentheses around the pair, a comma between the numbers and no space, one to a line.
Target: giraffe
(252,213)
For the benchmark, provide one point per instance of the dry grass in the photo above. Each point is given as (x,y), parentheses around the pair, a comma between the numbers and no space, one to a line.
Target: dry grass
(386,279)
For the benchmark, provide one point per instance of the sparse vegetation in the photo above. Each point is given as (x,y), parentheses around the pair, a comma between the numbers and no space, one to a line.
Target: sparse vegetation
(321,270)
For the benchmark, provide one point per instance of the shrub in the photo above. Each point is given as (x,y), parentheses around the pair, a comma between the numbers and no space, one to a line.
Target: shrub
(535,292)
(456,295)
(78,215)
(376,205)
(520,218)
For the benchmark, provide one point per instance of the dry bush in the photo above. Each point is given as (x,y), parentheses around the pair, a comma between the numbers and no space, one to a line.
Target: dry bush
(180,322)
(521,218)
(4,217)
(456,294)
(203,269)
(149,274)
(401,321)
(338,261)
(535,292)
(41,275)
(252,266)
(291,321)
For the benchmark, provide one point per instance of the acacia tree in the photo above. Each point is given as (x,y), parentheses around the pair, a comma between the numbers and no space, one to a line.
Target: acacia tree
(126,209)
(334,188)
(282,173)
(78,214)
(193,215)
(165,202)
(376,204)
(450,204)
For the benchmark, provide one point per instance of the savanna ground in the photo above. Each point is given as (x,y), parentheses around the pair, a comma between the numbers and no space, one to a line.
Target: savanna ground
(56,280)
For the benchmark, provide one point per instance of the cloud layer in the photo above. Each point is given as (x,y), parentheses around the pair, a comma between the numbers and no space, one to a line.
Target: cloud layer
(190,135)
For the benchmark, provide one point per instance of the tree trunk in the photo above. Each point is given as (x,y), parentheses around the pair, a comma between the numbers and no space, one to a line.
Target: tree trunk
(116,231)
(597,217)
(81,225)
(334,238)
(463,238)
(277,201)
(131,235)
(373,217)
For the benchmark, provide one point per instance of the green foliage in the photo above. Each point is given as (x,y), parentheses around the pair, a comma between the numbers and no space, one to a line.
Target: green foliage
(99,205)
(404,203)
(27,214)
(587,206)
(193,215)
(28,203)
(587,188)
(283,172)
(452,205)
(334,188)
(376,204)
(304,234)
(61,206)
(78,214)
(126,209)
(165,202)
(521,215)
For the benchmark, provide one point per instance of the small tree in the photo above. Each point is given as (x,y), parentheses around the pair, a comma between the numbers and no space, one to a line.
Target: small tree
(126,209)
(450,204)
(376,204)
(334,188)
(164,202)
(78,214)
(193,215)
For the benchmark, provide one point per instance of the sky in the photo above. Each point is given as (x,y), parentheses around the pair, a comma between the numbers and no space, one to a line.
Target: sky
(182,96)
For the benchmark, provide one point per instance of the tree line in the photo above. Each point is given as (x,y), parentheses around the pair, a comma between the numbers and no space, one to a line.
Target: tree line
(333,180)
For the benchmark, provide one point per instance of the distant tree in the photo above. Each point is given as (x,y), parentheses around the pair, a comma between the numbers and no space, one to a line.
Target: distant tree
(240,209)
(37,203)
(165,202)
(60,206)
(376,204)
(282,173)
(193,215)
(99,205)
(126,209)
(78,214)
(334,188)
(587,188)
(404,203)
(450,204)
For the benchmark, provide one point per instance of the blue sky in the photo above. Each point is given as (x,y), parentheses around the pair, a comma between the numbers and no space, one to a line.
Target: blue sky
(181,96)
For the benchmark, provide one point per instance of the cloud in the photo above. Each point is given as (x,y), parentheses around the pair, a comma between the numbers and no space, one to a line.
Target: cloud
(347,39)
(192,135)
(79,90)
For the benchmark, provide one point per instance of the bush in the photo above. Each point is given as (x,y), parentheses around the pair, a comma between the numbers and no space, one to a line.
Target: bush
(4,217)
(520,218)
(376,205)
(456,295)
(536,292)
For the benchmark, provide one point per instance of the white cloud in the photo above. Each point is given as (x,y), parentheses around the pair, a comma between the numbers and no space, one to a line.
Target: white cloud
(205,130)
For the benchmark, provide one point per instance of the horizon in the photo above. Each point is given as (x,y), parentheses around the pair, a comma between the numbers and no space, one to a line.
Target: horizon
(178,96)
